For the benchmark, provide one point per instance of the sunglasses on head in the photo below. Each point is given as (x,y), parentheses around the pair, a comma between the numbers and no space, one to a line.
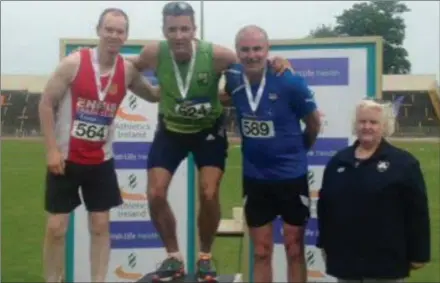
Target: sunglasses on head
(177,9)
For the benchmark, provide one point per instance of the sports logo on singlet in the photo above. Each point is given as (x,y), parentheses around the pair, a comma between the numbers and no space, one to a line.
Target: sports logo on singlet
(93,119)
(196,108)
(202,78)
(253,128)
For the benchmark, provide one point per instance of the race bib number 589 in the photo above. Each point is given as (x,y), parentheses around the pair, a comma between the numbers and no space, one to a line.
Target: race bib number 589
(257,129)
(89,131)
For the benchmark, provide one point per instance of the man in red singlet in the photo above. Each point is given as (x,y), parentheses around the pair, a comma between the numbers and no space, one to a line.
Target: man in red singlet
(86,89)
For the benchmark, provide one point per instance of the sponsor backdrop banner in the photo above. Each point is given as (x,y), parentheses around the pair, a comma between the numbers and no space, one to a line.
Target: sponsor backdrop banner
(136,248)
(339,75)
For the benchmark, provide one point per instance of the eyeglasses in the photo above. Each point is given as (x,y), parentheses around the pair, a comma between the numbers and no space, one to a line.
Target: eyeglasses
(177,9)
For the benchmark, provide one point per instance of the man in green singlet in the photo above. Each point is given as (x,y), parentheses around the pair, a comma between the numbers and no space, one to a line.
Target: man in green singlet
(190,120)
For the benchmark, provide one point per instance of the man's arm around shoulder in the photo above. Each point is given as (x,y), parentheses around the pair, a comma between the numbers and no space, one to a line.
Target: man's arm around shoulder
(148,58)
(140,85)
(223,58)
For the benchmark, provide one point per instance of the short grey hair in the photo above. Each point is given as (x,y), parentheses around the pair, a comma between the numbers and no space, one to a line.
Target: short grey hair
(250,28)
(386,109)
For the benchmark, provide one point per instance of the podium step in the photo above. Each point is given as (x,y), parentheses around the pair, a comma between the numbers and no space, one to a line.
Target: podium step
(223,278)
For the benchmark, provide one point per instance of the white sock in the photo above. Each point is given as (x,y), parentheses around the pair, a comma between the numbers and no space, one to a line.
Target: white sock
(176,255)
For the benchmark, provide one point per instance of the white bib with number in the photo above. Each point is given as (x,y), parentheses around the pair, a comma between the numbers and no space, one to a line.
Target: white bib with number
(194,111)
(89,131)
(257,128)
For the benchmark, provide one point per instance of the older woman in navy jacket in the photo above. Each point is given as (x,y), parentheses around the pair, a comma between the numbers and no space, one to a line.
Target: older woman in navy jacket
(373,209)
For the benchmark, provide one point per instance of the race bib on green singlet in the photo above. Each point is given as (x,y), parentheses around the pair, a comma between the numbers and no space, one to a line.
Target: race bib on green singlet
(193,108)
(253,128)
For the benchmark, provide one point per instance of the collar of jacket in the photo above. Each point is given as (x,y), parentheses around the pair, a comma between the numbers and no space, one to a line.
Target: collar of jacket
(382,151)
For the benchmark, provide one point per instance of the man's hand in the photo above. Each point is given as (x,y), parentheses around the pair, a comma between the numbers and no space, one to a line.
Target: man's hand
(313,127)
(143,88)
(280,65)
(417,265)
(155,94)
(55,162)
(224,97)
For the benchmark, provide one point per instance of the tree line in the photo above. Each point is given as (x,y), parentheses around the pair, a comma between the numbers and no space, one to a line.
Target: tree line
(374,18)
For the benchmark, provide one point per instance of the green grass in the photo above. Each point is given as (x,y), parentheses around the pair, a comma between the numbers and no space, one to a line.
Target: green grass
(23,217)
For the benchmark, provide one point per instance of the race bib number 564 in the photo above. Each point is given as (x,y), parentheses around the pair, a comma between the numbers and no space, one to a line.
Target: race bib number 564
(257,129)
(89,131)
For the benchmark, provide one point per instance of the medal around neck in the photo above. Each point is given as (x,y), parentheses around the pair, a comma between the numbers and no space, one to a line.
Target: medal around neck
(255,101)
(184,87)
(95,65)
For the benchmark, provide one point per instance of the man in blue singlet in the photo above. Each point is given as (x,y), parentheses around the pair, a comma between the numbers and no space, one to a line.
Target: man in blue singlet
(269,110)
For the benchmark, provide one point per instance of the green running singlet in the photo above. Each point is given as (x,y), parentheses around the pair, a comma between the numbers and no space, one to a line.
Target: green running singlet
(201,107)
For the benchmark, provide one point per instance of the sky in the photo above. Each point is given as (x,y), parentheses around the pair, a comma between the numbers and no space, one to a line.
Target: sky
(30,30)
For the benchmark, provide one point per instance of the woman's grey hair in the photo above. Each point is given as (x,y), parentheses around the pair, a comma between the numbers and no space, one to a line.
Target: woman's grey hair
(387,115)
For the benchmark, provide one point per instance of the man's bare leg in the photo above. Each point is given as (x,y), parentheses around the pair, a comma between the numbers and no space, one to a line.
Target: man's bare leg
(294,245)
(209,213)
(99,245)
(54,246)
(161,214)
(262,239)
